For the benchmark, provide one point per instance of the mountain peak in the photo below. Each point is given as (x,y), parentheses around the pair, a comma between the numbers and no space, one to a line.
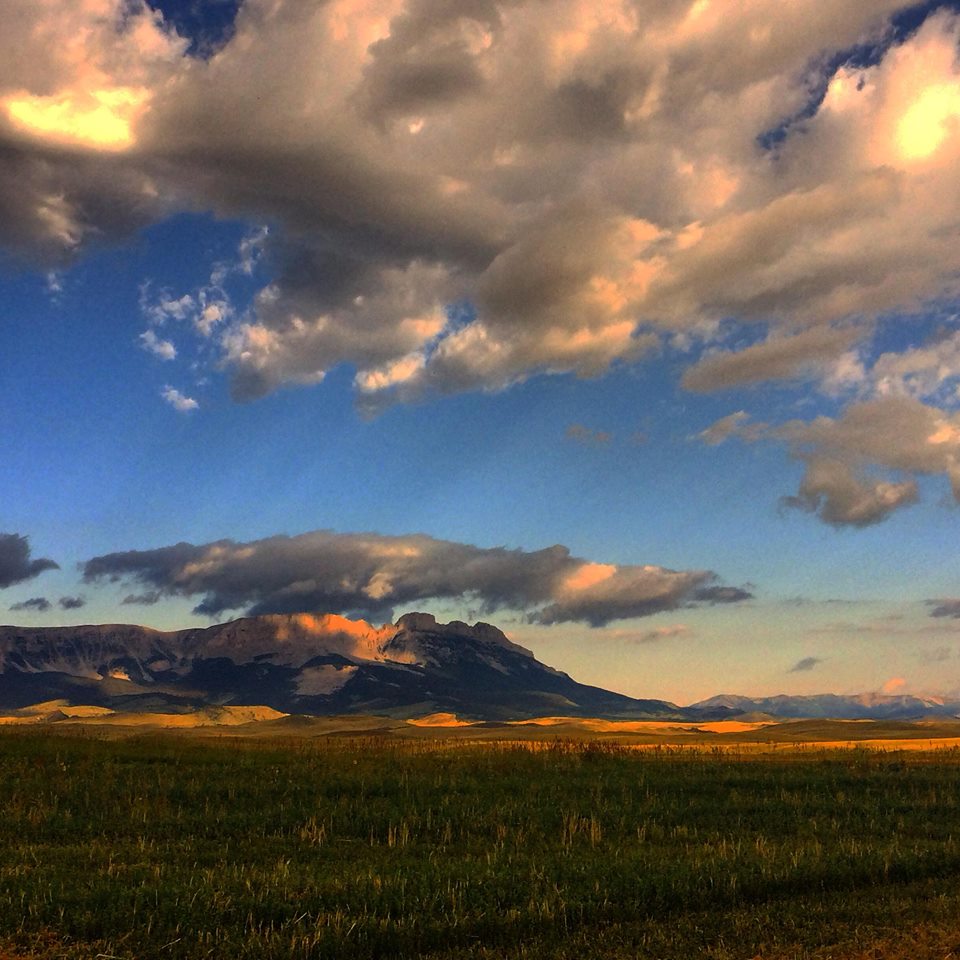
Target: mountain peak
(318,663)
(418,621)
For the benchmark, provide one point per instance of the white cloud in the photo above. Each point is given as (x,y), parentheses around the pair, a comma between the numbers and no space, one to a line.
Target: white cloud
(163,349)
(165,307)
(179,401)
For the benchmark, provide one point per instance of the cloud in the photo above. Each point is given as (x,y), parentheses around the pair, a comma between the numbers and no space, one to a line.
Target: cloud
(71,603)
(930,371)
(163,349)
(801,601)
(142,599)
(945,608)
(591,178)
(209,305)
(716,594)
(373,575)
(587,436)
(894,685)
(895,436)
(806,664)
(38,604)
(15,563)
(659,634)
(165,307)
(73,83)
(839,496)
(177,400)
(731,425)
(778,358)
(463,196)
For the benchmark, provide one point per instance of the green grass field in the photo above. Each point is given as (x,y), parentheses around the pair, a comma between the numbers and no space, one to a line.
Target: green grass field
(163,846)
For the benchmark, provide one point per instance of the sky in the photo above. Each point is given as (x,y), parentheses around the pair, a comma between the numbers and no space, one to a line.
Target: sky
(630,327)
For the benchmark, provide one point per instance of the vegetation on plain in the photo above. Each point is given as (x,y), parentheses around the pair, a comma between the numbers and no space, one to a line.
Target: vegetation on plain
(160,846)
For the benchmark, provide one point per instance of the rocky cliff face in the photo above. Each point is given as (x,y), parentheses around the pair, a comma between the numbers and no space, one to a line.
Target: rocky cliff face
(301,663)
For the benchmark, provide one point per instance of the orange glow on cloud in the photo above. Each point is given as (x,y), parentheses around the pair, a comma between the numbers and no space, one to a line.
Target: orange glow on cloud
(333,623)
(925,125)
(361,22)
(585,21)
(945,433)
(100,119)
(589,575)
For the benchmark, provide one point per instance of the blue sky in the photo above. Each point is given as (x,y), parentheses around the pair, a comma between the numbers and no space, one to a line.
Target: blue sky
(353,309)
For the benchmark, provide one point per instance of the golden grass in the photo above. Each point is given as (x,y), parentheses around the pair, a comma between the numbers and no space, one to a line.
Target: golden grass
(55,712)
(742,737)
(439,720)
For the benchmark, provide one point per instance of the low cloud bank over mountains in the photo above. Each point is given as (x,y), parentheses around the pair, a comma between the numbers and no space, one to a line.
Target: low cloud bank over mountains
(373,574)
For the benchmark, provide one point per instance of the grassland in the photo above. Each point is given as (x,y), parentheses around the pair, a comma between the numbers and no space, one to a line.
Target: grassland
(163,845)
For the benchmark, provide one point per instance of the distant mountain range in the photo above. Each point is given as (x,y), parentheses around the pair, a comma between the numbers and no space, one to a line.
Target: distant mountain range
(327,664)
(863,706)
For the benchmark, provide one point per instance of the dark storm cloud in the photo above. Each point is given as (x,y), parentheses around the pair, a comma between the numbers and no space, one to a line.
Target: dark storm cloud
(372,575)
(38,604)
(71,603)
(15,563)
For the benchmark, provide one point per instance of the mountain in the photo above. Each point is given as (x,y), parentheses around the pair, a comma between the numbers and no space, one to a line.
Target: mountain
(863,706)
(327,664)
(307,664)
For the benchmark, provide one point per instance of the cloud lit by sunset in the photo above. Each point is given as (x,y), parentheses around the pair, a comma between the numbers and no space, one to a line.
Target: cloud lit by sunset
(101,119)
(929,120)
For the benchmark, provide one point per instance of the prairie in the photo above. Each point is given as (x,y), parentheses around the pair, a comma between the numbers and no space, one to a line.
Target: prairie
(235,843)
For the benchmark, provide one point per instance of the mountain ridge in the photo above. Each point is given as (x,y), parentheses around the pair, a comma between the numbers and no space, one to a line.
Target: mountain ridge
(302,663)
(327,664)
(834,706)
